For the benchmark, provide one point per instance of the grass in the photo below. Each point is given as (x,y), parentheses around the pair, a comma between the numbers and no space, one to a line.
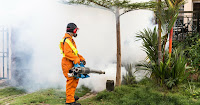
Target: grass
(50,96)
(47,96)
(10,91)
(83,90)
(143,93)
(7,94)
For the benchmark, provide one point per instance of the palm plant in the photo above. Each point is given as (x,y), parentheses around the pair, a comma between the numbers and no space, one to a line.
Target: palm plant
(150,43)
(129,78)
(150,46)
(170,72)
(167,14)
(177,68)
(165,71)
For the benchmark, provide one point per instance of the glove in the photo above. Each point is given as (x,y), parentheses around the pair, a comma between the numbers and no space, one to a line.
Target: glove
(84,62)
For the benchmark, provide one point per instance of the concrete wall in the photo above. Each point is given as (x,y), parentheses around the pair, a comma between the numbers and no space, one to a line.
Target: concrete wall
(188,7)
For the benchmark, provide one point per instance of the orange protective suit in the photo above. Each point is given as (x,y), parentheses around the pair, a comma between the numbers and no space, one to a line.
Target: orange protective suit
(67,64)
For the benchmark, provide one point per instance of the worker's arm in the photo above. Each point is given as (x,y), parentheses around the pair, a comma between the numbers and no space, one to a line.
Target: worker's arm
(81,57)
(70,55)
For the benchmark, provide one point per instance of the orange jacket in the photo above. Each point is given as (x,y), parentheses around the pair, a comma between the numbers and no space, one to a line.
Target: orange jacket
(69,54)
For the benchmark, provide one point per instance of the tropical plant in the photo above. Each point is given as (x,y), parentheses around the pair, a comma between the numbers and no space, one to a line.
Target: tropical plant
(171,71)
(168,71)
(178,66)
(192,51)
(150,43)
(191,89)
(150,46)
(167,14)
(129,78)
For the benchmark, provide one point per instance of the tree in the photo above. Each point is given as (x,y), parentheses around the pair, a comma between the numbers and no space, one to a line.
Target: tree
(167,14)
(159,33)
(115,6)
(173,5)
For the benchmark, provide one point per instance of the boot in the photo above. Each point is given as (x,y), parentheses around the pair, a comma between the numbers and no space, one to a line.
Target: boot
(76,98)
(73,103)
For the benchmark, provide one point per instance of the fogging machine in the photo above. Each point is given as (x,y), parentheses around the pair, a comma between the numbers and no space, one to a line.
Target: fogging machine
(80,71)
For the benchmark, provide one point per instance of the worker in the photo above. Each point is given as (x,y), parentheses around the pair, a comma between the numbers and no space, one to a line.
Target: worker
(70,57)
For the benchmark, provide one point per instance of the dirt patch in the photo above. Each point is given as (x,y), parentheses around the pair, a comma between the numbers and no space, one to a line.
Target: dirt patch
(88,95)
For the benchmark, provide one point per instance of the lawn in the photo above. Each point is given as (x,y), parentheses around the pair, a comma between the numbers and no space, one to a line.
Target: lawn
(15,96)
(147,93)
(143,93)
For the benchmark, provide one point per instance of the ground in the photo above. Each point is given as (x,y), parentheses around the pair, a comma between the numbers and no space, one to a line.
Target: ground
(17,96)
(143,93)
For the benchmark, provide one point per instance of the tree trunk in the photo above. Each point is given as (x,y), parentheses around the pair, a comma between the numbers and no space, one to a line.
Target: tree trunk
(159,43)
(159,37)
(118,74)
(170,42)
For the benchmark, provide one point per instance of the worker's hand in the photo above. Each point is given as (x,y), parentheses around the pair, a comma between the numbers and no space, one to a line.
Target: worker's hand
(84,62)
(77,60)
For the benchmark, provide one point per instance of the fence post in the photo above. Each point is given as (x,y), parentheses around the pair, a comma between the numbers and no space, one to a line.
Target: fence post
(7,53)
(198,28)
(3,51)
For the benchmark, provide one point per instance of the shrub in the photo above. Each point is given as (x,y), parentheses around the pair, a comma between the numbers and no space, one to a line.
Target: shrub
(129,78)
(171,70)
(192,50)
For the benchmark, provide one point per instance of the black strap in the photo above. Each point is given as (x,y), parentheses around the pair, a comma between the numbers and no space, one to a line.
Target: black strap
(64,40)
(64,43)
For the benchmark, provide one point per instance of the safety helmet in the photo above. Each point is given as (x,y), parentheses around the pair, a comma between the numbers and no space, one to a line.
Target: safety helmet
(71,27)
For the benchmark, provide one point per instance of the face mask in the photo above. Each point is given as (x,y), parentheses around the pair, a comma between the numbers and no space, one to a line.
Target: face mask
(75,34)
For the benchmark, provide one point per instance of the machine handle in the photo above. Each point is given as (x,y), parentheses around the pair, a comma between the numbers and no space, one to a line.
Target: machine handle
(79,65)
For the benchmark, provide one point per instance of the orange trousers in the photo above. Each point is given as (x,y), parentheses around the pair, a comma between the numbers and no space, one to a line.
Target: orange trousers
(71,82)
